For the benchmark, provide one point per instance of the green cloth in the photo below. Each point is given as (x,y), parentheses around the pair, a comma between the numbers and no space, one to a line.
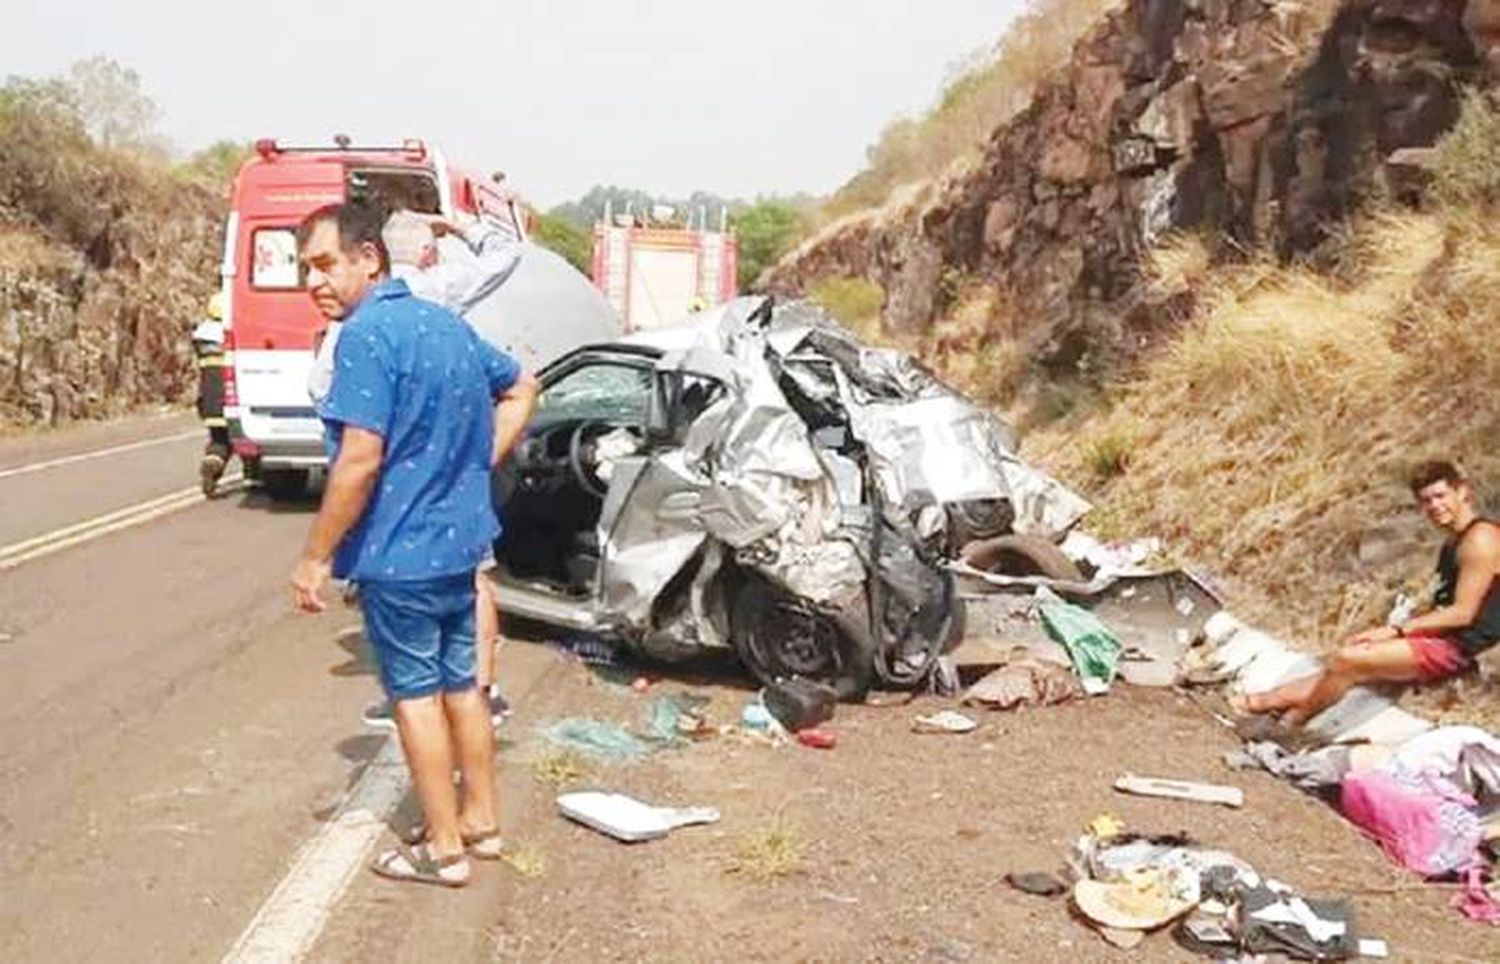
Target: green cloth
(1091,646)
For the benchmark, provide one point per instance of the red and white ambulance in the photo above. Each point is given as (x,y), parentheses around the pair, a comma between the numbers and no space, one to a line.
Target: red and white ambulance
(271,326)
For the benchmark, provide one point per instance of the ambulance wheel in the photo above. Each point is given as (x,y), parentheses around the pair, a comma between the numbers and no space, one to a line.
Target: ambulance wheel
(284,485)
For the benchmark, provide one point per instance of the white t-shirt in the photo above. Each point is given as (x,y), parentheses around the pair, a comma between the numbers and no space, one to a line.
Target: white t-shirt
(464,275)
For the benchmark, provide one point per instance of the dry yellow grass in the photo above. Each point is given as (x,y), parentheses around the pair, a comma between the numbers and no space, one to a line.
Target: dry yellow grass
(559,769)
(1274,435)
(774,850)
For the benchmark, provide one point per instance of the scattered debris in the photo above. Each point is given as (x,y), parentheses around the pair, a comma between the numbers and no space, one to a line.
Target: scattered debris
(628,819)
(678,718)
(1024,681)
(1181,790)
(588,649)
(1093,648)
(817,738)
(1421,792)
(755,716)
(799,703)
(944,721)
(596,738)
(1106,826)
(1129,885)
(1037,884)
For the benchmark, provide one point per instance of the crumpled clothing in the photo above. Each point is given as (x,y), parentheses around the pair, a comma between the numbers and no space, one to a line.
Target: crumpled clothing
(1465,755)
(1312,770)
(1474,901)
(1421,820)
(1301,928)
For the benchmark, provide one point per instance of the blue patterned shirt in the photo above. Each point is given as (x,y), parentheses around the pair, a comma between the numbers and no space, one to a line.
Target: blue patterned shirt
(418,376)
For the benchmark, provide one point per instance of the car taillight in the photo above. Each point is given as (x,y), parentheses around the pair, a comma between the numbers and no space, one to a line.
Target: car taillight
(231,387)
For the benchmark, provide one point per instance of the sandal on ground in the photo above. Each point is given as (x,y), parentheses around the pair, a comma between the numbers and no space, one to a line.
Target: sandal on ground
(418,865)
(485,845)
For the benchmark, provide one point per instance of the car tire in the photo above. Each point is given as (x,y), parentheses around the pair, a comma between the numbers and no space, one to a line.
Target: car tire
(284,485)
(1021,555)
(780,637)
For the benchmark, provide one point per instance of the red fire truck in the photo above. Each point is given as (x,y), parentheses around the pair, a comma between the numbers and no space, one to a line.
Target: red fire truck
(654,271)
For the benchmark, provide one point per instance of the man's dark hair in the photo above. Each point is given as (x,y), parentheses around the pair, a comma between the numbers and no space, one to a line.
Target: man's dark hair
(1435,471)
(358,223)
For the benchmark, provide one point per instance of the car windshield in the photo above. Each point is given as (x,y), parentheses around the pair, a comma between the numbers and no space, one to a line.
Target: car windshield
(602,392)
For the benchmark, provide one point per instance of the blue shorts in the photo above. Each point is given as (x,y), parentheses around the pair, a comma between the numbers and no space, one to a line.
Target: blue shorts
(422,632)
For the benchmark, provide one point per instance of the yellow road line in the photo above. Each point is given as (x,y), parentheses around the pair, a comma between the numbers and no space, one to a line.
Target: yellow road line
(47,543)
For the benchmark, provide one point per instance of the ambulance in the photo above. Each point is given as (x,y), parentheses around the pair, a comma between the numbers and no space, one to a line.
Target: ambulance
(272,327)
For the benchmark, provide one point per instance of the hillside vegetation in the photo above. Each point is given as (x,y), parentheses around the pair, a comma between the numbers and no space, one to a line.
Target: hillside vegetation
(107,250)
(984,91)
(1270,441)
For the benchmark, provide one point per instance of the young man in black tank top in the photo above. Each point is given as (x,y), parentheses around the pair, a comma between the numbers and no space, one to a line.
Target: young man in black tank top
(1443,641)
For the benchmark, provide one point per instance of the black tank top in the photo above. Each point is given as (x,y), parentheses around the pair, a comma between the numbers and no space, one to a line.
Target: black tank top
(1485,630)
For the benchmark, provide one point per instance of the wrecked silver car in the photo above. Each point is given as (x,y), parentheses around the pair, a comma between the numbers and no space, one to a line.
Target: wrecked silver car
(759,480)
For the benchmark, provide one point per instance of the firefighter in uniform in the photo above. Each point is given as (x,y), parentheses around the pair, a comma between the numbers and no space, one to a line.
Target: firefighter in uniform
(208,346)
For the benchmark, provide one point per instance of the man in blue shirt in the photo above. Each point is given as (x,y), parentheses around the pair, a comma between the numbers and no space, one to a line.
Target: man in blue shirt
(420,411)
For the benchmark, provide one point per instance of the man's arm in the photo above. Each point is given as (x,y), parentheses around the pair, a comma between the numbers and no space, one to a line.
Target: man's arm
(457,283)
(512,413)
(350,483)
(1478,562)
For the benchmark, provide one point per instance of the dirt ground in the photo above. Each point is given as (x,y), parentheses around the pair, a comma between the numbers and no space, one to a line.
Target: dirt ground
(898,841)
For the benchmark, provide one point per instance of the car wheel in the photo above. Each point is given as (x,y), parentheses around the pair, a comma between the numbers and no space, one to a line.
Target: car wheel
(779,637)
(1019,555)
(284,485)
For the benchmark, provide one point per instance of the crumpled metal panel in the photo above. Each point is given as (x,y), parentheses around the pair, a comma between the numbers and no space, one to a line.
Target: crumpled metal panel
(749,474)
(1044,506)
(649,529)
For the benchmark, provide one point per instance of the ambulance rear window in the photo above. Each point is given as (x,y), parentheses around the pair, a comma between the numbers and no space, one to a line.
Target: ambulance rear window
(393,189)
(273,254)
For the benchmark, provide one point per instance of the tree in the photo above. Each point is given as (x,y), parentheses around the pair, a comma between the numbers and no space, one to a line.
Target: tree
(558,233)
(766,229)
(115,112)
(217,164)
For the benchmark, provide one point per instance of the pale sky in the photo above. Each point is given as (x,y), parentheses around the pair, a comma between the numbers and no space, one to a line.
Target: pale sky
(774,96)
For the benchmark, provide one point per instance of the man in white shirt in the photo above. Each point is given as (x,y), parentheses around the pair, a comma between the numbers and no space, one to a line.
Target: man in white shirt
(457,279)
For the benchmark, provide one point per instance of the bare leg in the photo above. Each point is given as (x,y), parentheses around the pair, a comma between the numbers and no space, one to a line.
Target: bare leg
(468,715)
(486,631)
(1390,662)
(424,728)
(1282,697)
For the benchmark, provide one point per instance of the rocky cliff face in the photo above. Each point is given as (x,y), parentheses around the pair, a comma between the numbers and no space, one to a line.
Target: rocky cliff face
(1257,122)
(106,262)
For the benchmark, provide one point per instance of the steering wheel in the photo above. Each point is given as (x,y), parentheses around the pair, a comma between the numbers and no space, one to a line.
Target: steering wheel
(576,459)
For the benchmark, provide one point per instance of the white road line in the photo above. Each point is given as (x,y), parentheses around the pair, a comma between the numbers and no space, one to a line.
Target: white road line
(47,543)
(98,453)
(291,919)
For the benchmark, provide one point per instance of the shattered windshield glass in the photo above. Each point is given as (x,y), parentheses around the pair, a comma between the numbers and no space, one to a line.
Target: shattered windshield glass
(602,392)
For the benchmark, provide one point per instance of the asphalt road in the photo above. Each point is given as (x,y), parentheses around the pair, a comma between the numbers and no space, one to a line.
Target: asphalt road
(172,731)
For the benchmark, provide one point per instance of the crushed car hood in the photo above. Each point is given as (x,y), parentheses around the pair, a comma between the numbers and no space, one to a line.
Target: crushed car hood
(825,460)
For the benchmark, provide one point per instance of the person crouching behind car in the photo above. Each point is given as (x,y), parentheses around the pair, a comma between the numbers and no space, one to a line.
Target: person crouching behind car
(419,413)
(486,259)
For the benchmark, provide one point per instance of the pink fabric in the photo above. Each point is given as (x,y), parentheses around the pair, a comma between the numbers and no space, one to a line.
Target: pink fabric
(1475,902)
(1422,822)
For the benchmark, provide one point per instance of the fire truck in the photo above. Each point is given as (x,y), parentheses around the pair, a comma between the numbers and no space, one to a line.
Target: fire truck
(655,270)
